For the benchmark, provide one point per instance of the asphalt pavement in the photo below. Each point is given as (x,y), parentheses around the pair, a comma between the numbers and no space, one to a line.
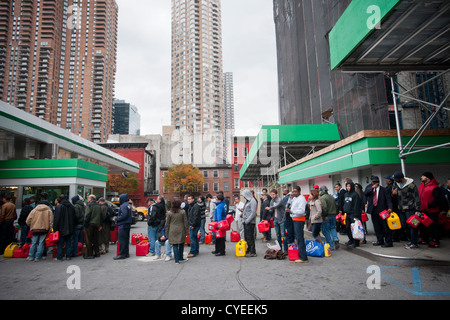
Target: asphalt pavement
(420,274)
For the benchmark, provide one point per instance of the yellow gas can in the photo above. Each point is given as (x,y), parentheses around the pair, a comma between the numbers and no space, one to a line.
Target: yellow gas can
(327,250)
(9,251)
(241,248)
(394,221)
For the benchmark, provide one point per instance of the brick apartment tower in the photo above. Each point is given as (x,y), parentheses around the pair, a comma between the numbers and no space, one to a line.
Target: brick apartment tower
(197,92)
(58,62)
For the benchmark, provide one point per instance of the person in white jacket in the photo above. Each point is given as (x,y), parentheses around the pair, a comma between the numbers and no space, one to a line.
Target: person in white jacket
(298,215)
(239,211)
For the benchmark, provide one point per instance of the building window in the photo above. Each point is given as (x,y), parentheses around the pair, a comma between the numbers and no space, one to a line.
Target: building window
(226,174)
(236,183)
(215,174)
(226,187)
(205,174)
(216,187)
(236,152)
(236,167)
(205,187)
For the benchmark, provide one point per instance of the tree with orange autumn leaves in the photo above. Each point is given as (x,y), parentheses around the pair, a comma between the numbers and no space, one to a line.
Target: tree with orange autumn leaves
(182,179)
(120,184)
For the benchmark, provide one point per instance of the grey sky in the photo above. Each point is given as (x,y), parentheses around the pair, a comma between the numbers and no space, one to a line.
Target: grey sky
(249,51)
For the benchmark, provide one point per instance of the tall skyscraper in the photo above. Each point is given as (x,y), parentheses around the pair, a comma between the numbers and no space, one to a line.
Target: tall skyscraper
(58,62)
(127,119)
(197,98)
(228,114)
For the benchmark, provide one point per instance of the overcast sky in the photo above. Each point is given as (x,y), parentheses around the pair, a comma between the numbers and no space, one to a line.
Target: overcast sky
(249,51)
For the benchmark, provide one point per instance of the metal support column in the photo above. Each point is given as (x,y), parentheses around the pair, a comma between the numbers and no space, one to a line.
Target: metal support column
(397,122)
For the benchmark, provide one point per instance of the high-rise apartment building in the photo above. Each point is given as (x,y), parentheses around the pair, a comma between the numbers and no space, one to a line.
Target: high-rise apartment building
(197,66)
(58,62)
(228,114)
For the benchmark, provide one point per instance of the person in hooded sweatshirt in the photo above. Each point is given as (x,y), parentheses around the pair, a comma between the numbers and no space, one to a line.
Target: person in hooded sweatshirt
(407,196)
(124,220)
(353,208)
(220,214)
(430,204)
(64,223)
(249,221)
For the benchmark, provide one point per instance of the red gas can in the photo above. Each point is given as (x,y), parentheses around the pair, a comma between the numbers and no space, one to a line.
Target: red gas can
(413,221)
(293,253)
(212,226)
(425,220)
(136,238)
(220,233)
(224,225)
(263,226)
(235,236)
(384,214)
(114,235)
(230,219)
(80,249)
(142,249)
(208,238)
(272,225)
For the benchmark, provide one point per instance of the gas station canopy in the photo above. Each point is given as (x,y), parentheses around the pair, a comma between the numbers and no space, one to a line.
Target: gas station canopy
(280,145)
(391,36)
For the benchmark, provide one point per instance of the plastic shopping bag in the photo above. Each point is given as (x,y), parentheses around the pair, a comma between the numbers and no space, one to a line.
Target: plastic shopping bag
(357,230)
(275,247)
(315,248)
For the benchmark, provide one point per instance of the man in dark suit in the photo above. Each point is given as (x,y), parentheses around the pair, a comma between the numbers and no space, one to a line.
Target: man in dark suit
(379,200)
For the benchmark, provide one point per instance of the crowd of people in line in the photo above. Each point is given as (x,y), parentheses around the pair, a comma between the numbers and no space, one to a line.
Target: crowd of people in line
(320,212)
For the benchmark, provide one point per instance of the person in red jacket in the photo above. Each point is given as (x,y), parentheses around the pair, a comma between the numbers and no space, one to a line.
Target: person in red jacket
(430,200)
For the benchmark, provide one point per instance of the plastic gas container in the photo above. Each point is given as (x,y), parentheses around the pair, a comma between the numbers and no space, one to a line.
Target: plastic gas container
(235,236)
(224,225)
(263,226)
(9,251)
(384,214)
(212,226)
(241,248)
(142,249)
(208,238)
(425,220)
(413,221)
(271,223)
(220,233)
(394,221)
(230,219)
(327,250)
(293,252)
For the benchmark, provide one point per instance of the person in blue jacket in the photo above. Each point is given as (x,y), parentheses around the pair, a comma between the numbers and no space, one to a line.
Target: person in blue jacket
(220,214)
(124,220)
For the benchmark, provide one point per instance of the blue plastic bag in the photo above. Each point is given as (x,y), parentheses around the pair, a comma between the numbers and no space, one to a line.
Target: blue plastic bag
(315,248)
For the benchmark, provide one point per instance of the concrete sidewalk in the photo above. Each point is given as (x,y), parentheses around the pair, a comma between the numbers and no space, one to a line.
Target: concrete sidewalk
(399,255)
